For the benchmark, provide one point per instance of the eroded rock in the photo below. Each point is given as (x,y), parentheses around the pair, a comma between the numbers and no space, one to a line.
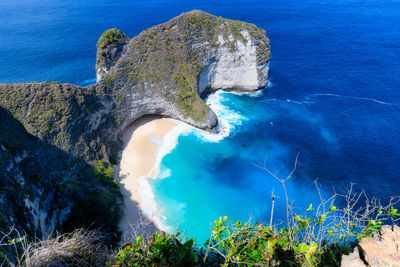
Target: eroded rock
(381,250)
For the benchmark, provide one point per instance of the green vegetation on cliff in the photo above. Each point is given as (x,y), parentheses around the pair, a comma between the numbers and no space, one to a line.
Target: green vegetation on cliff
(58,142)
(39,179)
(165,62)
(109,37)
(316,236)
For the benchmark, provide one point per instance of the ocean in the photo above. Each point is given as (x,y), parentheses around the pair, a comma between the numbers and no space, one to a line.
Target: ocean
(333,98)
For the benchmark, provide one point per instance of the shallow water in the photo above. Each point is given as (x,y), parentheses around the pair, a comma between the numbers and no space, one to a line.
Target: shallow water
(335,74)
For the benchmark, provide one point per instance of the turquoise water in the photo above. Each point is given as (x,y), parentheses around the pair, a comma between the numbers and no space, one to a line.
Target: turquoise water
(208,175)
(335,98)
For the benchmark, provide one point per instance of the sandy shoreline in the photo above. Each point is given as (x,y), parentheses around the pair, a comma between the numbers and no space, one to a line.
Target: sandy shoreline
(140,160)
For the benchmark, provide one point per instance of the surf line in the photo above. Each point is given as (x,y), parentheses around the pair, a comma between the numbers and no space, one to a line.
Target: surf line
(356,98)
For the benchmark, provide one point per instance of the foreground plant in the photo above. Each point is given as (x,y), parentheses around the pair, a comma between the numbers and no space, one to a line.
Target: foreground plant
(316,236)
(79,248)
(160,250)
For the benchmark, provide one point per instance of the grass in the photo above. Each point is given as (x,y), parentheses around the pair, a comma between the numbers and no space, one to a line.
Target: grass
(78,248)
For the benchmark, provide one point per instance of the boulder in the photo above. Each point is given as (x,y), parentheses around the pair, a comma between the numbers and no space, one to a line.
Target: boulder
(381,250)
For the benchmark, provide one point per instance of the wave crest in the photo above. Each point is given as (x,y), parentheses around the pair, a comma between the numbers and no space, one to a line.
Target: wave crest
(228,119)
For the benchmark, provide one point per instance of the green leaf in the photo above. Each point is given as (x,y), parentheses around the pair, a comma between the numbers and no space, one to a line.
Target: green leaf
(310,208)
(139,240)
(301,249)
(313,246)
(393,212)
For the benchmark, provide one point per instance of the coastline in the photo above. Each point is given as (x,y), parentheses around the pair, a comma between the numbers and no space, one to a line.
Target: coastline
(146,141)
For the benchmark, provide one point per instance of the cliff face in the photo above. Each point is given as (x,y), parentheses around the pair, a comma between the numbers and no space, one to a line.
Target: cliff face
(109,48)
(162,71)
(48,136)
(28,168)
(166,68)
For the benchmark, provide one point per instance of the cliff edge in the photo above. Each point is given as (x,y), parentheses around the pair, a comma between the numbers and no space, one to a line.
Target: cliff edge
(163,71)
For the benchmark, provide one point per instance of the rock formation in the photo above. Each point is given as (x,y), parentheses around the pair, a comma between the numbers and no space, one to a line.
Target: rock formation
(164,71)
(166,68)
(381,250)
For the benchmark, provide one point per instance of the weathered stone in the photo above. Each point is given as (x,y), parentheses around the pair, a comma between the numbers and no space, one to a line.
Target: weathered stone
(352,260)
(109,48)
(381,250)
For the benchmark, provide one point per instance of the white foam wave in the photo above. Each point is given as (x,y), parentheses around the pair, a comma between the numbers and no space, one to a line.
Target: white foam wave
(257,93)
(228,119)
(169,142)
(289,101)
(357,98)
(299,102)
(149,206)
(270,84)
(164,173)
(88,82)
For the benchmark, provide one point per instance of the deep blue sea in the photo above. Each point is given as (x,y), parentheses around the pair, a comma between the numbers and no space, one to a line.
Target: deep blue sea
(333,97)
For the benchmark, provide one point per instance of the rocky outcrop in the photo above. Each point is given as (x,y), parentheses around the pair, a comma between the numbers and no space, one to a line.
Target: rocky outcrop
(234,68)
(166,68)
(381,250)
(109,48)
(162,71)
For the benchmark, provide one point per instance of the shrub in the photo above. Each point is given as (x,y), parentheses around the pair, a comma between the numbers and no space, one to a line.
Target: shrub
(105,173)
(110,36)
(160,250)
(315,236)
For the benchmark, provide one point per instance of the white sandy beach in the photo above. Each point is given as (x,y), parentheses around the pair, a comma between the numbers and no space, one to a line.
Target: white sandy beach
(140,160)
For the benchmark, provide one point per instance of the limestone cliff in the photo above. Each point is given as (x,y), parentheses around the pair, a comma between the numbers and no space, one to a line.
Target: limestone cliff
(164,70)
(109,49)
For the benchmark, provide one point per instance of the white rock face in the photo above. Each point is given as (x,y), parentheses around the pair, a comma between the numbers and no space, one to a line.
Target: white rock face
(233,68)
(100,73)
(45,220)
